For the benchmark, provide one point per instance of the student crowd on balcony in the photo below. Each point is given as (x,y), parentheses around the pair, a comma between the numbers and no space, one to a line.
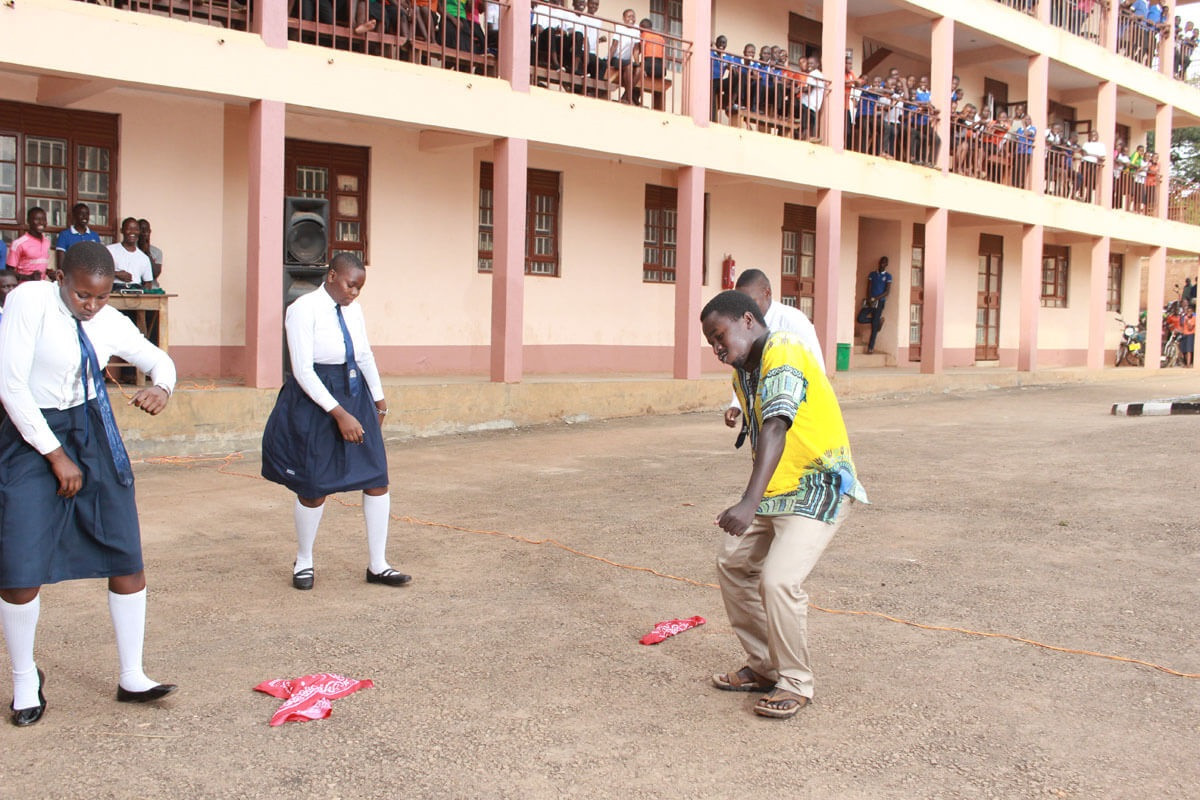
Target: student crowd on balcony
(764,89)
(892,117)
(1141,25)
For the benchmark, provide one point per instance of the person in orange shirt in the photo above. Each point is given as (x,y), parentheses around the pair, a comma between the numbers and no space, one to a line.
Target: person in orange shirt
(653,50)
(1187,326)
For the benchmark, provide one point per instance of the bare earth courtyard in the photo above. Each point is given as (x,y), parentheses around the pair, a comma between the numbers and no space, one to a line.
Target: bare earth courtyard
(512,670)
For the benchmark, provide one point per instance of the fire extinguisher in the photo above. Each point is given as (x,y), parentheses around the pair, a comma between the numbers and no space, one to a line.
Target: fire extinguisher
(727,272)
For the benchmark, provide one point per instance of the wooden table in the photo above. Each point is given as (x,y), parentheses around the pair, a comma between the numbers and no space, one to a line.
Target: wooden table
(149,313)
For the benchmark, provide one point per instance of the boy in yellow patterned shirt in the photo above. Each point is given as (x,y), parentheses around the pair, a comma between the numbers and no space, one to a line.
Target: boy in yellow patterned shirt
(792,506)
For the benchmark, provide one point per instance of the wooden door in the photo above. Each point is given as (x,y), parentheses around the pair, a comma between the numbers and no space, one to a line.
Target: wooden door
(987,310)
(798,268)
(916,292)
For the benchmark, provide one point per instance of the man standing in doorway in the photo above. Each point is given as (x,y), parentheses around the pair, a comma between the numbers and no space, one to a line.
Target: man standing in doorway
(879,283)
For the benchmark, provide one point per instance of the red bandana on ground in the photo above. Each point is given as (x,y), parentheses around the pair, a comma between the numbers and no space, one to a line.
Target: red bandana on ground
(667,629)
(310,696)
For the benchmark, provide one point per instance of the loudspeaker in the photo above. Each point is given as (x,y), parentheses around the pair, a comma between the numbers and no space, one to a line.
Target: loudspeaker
(305,231)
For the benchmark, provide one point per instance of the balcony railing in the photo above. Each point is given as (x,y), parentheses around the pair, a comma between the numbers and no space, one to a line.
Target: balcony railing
(1184,203)
(1071,174)
(892,127)
(233,14)
(1084,18)
(1135,189)
(466,40)
(617,61)
(1025,6)
(991,151)
(1137,38)
(772,98)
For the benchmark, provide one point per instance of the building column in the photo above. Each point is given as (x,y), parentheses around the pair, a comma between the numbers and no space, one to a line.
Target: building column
(1108,28)
(941,72)
(1154,303)
(1106,125)
(1166,48)
(689,271)
(697,29)
(1032,242)
(829,264)
(270,21)
(1042,12)
(509,177)
(1098,302)
(1038,92)
(263,361)
(833,64)
(933,312)
(1163,119)
(513,56)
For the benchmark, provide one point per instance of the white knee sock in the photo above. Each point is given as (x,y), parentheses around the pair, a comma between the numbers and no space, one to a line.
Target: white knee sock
(20,627)
(377,511)
(128,612)
(307,522)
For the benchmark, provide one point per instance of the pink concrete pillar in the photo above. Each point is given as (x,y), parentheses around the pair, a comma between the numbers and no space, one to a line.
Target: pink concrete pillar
(270,20)
(1032,241)
(513,56)
(1163,120)
(1106,125)
(264,247)
(689,271)
(829,264)
(1097,302)
(1166,49)
(941,71)
(697,29)
(509,178)
(833,65)
(1042,12)
(1154,303)
(1108,25)
(933,312)
(1038,92)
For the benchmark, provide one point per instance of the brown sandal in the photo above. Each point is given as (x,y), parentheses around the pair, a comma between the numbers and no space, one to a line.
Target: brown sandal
(744,680)
(780,704)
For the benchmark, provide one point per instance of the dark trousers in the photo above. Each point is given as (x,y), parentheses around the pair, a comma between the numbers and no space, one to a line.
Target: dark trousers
(876,321)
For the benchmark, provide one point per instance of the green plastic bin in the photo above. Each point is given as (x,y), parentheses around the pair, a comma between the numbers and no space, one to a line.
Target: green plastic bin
(843,356)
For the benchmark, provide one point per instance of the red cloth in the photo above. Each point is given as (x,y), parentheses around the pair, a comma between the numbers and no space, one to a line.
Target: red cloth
(310,696)
(667,629)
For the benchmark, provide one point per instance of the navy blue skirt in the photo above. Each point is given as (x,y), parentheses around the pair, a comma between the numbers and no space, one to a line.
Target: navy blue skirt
(303,449)
(45,538)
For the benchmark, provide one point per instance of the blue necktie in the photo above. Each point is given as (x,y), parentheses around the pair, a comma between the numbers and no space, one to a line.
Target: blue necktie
(352,380)
(87,359)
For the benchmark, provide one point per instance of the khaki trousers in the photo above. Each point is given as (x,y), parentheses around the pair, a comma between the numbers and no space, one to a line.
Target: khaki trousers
(761,573)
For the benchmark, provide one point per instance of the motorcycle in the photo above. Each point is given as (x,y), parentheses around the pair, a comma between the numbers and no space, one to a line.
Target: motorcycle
(1171,334)
(1133,345)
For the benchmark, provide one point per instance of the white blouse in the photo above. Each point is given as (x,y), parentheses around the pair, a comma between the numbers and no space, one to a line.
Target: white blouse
(40,357)
(315,337)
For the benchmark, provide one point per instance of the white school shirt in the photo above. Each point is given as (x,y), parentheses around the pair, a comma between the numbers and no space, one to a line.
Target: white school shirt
(1094,151)
(815,96)
(623,40)
(40,357)
(315,337)
(137,264)
(792,320)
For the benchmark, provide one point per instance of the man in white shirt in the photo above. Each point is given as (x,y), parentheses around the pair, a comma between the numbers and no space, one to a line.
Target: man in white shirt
(133,266)
(756,284)
(1094,152)
(813,98)
(67,482)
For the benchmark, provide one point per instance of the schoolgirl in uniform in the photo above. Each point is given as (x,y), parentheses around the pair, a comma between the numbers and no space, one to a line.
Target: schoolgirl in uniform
(67,508)
(324,434)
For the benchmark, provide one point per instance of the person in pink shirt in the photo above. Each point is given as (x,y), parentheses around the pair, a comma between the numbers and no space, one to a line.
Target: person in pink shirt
(29,255)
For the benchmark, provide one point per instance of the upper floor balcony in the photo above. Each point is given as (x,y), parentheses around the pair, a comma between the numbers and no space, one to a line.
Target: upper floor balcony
(772,80)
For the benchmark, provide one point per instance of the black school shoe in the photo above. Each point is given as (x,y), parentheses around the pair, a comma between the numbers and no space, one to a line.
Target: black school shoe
(25,717)
(303,579)
(389,577)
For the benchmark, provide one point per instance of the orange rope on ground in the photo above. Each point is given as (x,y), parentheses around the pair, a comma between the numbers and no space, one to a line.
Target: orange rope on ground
(226,460)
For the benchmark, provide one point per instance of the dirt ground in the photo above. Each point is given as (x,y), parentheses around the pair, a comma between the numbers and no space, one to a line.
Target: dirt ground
(512,670)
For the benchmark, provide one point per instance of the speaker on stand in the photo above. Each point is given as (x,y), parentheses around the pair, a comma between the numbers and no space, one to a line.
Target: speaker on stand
(305,251)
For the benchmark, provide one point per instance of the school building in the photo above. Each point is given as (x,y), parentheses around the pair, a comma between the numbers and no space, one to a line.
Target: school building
(536,194)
